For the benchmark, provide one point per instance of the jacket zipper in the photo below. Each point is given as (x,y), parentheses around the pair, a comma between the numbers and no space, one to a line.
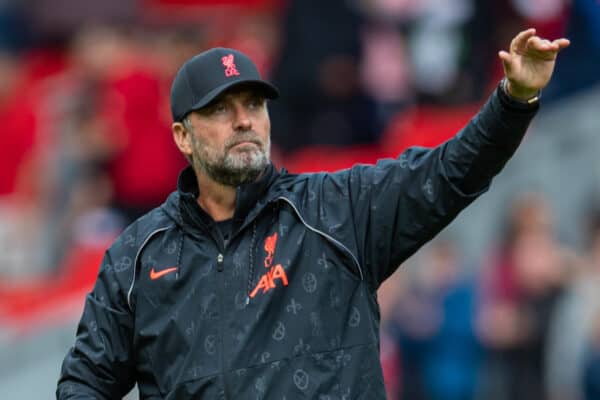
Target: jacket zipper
(220,269)
(221,251)
(326,236)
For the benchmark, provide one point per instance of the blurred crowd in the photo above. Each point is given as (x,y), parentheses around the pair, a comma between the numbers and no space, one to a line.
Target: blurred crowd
(85,124)
(523,324)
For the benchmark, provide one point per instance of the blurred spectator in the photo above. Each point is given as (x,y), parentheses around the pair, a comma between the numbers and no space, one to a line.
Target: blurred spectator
(436,44)
(549,17)
(14,26)
(386,66)
(321,100)
(434,324)
(572,325)
(520,292)
(18,129)
(391,360)
(449,47)
(578,70)
(19,189)
(75,137)
(54,21)
(385,71)
(136,104)
(19,237)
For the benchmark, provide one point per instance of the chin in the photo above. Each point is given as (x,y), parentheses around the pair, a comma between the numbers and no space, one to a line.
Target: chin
(249,159)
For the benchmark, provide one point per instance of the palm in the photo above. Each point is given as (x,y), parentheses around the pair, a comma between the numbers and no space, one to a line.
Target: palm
(532,71)
(530,63)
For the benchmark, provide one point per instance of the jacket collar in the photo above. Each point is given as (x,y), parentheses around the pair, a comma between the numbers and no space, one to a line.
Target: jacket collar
(249,197)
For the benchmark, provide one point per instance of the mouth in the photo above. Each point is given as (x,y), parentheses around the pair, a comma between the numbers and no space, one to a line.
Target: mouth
(245,143)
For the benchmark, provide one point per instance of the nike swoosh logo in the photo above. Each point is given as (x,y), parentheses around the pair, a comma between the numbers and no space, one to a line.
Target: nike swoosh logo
(158,274)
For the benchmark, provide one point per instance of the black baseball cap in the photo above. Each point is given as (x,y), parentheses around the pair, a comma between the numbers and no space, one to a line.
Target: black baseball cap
(205,76)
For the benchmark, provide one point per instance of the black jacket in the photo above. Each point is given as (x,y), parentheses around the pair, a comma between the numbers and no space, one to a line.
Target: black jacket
(288,309)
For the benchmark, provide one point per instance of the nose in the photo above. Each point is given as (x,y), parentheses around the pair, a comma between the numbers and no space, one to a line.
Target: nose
(242,121)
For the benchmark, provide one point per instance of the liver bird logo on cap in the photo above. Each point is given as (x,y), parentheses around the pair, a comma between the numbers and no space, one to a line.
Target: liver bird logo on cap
(229,64)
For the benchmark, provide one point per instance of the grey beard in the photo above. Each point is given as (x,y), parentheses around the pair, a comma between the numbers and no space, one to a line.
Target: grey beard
(228,172)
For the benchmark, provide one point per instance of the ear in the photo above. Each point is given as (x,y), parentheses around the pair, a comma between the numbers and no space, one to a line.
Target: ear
(182,138)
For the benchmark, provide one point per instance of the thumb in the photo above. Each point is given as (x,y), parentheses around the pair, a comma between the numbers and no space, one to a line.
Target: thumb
(505,56)
(506,59)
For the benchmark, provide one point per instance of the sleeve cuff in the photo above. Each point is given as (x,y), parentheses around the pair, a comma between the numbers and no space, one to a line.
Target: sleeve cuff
(516,104)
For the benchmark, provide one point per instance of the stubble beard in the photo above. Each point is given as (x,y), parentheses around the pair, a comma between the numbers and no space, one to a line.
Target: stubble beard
(231,168)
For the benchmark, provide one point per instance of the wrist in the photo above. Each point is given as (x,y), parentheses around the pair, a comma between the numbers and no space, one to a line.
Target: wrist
(520,94)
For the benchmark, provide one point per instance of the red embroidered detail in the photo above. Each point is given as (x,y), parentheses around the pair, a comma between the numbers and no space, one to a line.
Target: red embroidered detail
(229,64)
(277,272)
(270,244)
(267,281)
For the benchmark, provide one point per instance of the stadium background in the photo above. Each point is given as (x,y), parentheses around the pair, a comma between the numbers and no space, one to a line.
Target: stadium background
(505,304)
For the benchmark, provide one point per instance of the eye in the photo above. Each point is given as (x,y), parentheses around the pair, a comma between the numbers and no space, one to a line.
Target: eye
(255,102)
(219,108)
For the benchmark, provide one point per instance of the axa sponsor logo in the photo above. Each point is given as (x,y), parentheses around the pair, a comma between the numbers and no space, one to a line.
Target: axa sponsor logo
(275,273)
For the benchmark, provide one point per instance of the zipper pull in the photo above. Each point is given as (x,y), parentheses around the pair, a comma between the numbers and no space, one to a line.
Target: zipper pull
(220,262)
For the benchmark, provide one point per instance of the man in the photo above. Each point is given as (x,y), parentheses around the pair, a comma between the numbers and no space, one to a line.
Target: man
(251,283)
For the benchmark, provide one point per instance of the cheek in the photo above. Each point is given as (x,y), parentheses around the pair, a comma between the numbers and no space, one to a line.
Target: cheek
(264,126)
(210,140)
(209,150)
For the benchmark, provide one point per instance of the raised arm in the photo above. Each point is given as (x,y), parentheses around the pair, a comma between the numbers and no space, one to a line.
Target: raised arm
(400,204)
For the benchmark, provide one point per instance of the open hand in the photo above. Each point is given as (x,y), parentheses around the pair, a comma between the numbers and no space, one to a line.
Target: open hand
(529,63)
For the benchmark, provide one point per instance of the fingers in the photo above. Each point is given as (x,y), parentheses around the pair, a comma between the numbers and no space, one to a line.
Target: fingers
(527,43)
(527,40)
(519,43)
(537,43)
(544,49)
(562,43)
(524,35)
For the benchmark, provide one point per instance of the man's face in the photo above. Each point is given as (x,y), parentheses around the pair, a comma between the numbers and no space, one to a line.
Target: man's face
(230,138)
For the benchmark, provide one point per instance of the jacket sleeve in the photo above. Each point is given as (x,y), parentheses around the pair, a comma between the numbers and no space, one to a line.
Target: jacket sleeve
(100,364)
(400,204)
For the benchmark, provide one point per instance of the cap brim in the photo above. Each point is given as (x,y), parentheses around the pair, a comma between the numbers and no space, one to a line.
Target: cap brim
(270,91)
